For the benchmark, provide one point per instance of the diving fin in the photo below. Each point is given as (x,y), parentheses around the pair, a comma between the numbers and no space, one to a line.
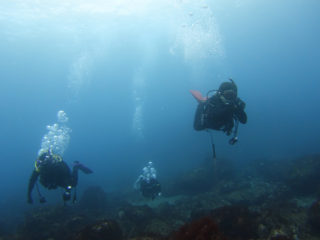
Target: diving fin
(82,167)
(198,96)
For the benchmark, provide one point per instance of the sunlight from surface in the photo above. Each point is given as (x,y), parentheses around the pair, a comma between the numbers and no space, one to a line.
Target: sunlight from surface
(95,29)
(41,9)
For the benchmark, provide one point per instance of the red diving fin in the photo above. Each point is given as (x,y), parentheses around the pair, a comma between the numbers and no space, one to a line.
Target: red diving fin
(198,96)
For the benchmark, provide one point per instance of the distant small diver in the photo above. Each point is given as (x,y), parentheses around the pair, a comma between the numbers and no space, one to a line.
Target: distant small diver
(222,111)
(54,173)
(147,182)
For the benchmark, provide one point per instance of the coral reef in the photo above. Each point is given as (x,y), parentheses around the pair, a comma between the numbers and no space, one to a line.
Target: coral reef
(133,219)
(243,206)
(52,222)
(104,229)
(202,178)
(303,177)
(280,237)
(314,216)
(94,199)
(158,227)
(201,229)
(236,222)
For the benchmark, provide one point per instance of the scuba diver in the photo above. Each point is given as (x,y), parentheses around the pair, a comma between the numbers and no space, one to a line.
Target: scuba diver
(53,173)
(222,111)
(147,182)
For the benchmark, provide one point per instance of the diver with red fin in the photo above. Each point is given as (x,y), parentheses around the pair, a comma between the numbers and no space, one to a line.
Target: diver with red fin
(222,111)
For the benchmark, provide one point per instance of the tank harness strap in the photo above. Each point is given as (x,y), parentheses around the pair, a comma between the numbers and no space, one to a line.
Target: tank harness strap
(36,167)
(57,158)
(234,139)
(214,156)
(74,200)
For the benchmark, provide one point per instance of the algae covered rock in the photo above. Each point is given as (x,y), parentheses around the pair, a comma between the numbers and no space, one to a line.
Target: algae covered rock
(94,198)
(303,175)
(314,216)
(104,229)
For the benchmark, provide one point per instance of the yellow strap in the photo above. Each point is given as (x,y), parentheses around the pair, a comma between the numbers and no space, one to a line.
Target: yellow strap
(57,157)
(36,166)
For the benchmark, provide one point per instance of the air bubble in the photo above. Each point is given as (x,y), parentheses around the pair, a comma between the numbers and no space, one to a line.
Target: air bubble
(57,138)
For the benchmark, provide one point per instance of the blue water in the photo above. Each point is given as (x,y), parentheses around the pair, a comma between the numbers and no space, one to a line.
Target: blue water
(122,71)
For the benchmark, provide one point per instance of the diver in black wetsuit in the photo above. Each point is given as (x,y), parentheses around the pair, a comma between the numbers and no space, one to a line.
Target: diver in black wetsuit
(151,188)
(147,182)
(221,111)
(53,173)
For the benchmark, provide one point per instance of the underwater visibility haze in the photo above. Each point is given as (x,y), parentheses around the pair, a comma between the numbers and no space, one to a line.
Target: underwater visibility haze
(121,71)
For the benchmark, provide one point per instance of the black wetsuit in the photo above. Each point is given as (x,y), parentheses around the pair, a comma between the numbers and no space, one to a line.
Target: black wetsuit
(53,175)
(217,114)
(150,189)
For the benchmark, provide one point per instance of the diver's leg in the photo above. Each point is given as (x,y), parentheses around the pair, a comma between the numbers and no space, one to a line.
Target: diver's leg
(199,118)
(82,167)
(78,166)
(74,175)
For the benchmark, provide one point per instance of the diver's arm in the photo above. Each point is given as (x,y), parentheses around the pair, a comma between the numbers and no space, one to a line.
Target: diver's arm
(228,127)
(137,183)
(159,188)
(240,114)
(32,181)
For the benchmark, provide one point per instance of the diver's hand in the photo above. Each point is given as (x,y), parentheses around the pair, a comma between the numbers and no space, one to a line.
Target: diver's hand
(42,199)
(30,201)
(227,131)
(233,140)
